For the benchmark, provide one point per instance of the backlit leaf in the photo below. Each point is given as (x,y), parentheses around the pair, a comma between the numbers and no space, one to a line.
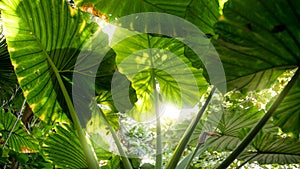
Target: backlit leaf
(44,39)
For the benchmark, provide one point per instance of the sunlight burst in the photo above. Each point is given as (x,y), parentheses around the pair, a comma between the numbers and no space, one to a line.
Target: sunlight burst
(169,112)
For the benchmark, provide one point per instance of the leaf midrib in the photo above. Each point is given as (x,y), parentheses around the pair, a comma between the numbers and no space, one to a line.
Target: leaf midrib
(258,152)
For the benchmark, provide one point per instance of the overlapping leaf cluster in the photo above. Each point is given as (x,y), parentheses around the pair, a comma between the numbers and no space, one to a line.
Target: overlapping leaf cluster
(257,41)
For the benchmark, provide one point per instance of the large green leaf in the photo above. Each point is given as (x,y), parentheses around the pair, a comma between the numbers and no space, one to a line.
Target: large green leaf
(270,149)
(147,60)
(62,147)
(148,18)
(44,39)
(231,123)
(20,140)
(266,148)
(258,40)
(202,13)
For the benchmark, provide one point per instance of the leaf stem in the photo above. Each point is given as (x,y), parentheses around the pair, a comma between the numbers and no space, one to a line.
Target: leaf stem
(155,108)
(188,133)
(247,140)
(124,157)
(245,162)
(15,124)
(87,148)
(159,162)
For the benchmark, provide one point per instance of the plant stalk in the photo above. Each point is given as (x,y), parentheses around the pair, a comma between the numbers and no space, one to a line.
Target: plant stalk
(188,133)
(159,162)
(155,108)
(124,157)
(87,148)
(250,136)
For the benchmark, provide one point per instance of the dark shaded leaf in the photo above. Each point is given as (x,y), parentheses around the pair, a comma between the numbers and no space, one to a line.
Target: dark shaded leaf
(8,79)
(270,149)
(258,41)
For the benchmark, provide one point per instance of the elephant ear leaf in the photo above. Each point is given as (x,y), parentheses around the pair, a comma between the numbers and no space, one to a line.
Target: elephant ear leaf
(62,147)
(147,60)
(44,39)
(258,41)
(230,125)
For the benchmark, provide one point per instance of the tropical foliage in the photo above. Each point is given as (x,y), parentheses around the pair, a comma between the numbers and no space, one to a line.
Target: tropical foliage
(50,119)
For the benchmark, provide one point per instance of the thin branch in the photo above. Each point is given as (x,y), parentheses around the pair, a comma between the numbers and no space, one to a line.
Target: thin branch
(15,124)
